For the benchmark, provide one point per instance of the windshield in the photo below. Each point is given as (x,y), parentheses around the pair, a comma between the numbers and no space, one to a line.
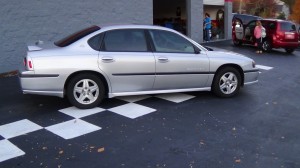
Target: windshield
(76,36)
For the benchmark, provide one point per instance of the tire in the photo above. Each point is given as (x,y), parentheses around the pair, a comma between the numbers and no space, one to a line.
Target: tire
(266,46)
(85,91)
(290,50)
(227,82)
(237,42)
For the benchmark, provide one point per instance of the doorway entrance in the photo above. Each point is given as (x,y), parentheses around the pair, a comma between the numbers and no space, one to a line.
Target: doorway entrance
(216,13)
(171,14)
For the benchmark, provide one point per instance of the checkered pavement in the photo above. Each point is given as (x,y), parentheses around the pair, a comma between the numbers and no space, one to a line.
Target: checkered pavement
(75,126)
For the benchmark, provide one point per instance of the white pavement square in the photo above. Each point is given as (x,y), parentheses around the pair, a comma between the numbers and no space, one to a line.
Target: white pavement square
(79,113)
(132,99)
(72,129)
(9,150)
(264,67)
(175,97)
(18,128)
(132,110)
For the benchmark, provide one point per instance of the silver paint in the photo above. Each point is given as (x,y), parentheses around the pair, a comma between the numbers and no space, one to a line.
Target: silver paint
(80,57)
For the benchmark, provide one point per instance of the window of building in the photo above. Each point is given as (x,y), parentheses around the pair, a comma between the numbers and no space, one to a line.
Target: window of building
(170,14)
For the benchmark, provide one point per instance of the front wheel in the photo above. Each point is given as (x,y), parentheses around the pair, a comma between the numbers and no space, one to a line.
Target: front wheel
(227,82)
(85,91)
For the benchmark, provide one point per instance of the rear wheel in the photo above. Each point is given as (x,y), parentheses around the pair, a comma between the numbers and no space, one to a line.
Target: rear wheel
(85,91)
(227,82)
(289,50)
(266,46)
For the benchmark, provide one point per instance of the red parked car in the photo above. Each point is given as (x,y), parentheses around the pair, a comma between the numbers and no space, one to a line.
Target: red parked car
(280,33)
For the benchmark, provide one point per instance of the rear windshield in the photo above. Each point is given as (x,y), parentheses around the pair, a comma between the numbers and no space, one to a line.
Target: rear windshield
(76,36)
(287,26)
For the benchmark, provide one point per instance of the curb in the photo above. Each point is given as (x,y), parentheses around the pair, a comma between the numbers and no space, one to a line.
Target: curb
(9,74)
(217,43)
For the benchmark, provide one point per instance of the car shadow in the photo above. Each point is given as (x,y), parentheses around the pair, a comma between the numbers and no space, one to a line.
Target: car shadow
(245,49)
(273,52)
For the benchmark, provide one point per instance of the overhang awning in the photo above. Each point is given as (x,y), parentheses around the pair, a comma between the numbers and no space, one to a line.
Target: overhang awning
(214,2)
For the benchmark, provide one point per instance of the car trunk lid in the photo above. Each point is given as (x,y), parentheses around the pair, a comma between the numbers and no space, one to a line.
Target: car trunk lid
(40,45)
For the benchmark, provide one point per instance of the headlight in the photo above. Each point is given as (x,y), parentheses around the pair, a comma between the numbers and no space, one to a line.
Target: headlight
(253,64)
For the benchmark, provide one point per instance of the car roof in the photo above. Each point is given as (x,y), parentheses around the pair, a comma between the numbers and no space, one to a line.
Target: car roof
(95,29)
(107,27)
(245,18)
(139,26)
(244,15)
(276,20)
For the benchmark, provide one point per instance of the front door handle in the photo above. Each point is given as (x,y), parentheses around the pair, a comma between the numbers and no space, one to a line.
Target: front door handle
(163,59)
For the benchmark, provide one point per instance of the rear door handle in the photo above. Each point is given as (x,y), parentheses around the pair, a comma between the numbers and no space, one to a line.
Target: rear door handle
(163,59)
(107,59)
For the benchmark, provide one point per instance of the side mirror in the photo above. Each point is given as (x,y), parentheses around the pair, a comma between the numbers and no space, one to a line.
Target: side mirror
(208,48)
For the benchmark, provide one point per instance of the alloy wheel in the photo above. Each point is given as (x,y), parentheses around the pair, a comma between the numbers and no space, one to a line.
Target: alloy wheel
(86,91)
(228,83)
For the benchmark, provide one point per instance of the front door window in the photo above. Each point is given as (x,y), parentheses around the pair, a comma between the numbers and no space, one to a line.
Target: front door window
(165,41)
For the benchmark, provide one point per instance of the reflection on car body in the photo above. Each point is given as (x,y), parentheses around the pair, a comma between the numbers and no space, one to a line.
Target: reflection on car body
(126,60)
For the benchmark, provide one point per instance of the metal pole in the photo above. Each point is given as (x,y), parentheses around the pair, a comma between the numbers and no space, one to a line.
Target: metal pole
(240,7)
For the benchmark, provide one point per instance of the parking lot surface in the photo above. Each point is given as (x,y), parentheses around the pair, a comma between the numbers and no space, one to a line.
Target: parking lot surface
(258,128)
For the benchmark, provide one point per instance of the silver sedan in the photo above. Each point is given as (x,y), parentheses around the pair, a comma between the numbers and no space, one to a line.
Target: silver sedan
(123,60)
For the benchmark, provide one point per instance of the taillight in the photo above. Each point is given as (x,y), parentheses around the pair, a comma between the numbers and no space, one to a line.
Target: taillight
(24,62)
(280,35)
(28,64)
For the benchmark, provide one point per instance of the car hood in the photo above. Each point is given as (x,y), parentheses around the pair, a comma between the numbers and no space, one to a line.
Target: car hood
(229,55)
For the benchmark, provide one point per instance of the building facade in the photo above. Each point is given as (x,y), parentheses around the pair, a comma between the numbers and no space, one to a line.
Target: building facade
(28,21)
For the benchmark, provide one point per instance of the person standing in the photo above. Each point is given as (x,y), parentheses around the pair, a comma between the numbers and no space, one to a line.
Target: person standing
(259,29)
(207,27)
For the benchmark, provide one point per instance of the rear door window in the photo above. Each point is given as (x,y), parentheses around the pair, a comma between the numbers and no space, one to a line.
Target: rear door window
(272,26)
(125,40)
(95,42)
(252,25)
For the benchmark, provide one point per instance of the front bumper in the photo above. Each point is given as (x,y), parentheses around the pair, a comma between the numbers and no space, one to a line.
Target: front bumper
(251,77)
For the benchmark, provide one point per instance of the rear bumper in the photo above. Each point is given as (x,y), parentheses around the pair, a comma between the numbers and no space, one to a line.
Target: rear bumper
(281,44)
(41,84)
